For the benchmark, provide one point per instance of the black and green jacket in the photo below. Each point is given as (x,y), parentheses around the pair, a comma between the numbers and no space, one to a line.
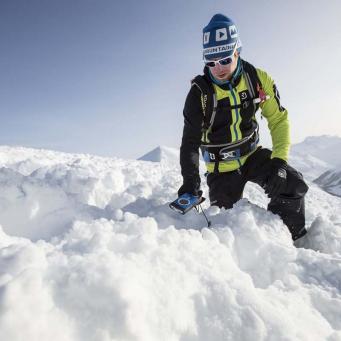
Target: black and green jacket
(231,124)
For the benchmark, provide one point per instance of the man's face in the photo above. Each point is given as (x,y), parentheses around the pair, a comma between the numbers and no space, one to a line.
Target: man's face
(224,72)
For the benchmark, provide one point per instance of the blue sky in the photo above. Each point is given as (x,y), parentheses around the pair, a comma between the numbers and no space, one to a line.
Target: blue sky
(110,78)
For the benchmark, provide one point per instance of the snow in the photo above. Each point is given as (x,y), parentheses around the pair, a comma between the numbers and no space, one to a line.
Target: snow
(89,250)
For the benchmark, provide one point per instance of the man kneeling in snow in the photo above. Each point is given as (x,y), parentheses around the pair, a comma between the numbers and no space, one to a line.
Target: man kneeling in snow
(220,119)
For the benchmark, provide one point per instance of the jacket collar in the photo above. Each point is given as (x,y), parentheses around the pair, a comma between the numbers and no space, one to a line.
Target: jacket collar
(236,77)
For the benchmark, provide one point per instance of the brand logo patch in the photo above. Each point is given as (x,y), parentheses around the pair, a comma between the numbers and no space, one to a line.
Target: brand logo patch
(212,156)
(233,31)
(221,34)
(218,49)
(282,173)
(229,155)
(243,95)
(206,37)
(183,202)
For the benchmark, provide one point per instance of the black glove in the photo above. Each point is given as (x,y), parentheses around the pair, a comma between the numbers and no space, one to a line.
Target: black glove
(277,178)
(190,186)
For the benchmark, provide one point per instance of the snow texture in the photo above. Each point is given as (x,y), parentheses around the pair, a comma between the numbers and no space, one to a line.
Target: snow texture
(90,251)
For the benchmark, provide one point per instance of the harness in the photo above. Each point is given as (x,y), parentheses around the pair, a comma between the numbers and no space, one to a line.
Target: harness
(234,150)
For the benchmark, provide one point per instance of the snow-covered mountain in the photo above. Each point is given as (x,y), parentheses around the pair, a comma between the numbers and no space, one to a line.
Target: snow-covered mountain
(330,181)
(162,153)
(316,155)
(319,159)
(89,250)
(326,148)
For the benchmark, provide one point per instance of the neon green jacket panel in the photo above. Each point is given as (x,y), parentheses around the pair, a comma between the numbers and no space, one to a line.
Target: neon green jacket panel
(277,118)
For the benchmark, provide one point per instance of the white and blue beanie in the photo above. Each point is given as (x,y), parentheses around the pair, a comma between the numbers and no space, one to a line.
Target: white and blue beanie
(220,37)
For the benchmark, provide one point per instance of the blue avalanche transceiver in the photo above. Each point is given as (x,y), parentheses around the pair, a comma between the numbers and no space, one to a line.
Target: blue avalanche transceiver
(185,203)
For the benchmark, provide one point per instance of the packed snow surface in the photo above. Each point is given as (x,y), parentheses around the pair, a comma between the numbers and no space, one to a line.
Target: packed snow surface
(90,251)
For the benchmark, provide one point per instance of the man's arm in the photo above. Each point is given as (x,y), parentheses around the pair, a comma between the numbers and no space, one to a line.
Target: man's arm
(191,140)
(277,118)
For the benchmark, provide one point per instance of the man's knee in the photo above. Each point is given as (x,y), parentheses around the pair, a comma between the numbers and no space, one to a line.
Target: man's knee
(292,212)
(222,202)
(290,205)
(296,186)
(225,189)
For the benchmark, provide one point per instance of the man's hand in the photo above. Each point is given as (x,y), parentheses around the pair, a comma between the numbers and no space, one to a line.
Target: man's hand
(277,178)
(190,186)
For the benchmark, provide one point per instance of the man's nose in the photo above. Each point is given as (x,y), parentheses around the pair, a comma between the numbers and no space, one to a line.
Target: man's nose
(218,67)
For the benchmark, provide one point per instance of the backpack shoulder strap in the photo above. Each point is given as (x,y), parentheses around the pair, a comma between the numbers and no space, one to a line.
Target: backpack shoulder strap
(206,97)
(208,101)
(252,79)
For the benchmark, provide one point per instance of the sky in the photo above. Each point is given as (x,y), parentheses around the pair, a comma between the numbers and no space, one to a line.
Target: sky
(111,77)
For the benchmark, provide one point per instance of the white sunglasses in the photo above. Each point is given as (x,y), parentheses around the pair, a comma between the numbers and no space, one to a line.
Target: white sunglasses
(223,61)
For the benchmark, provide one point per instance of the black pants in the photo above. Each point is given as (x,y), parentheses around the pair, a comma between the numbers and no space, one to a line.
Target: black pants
(227,188)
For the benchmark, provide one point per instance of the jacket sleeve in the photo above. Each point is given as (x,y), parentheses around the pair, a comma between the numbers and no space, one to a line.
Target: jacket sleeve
(191,137)
(277,118)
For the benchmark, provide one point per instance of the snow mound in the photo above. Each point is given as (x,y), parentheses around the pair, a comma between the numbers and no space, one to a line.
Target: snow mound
(89,250)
